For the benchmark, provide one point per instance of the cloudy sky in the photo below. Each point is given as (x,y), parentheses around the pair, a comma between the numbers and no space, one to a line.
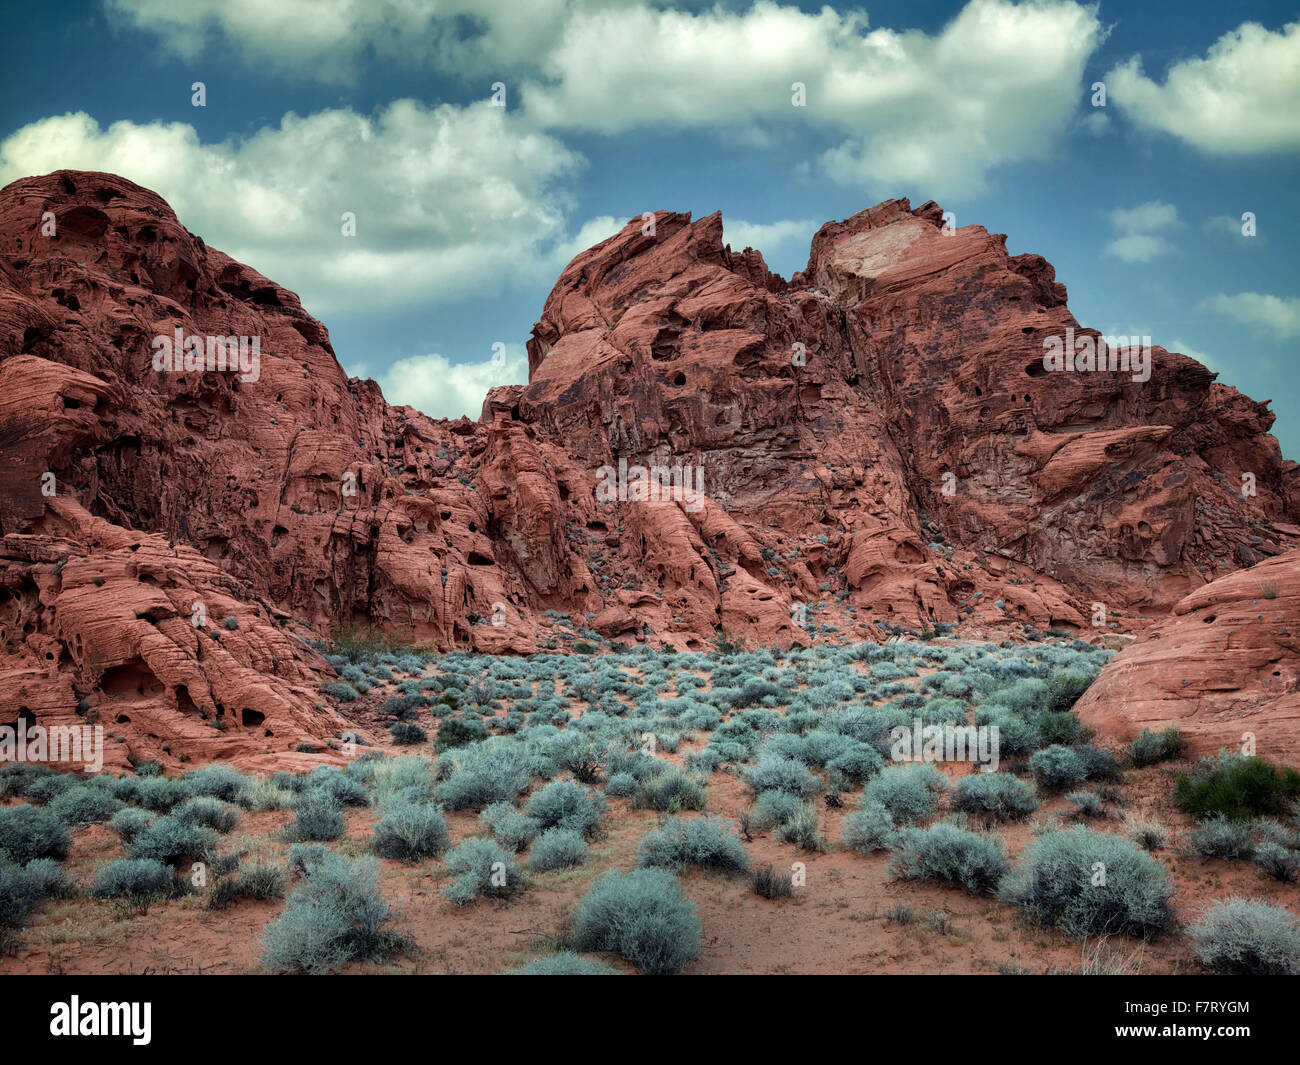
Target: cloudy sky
(466,210)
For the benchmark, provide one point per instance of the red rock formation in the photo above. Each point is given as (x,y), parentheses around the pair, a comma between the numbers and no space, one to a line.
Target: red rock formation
(825,414)
(830,413)
(1224,668)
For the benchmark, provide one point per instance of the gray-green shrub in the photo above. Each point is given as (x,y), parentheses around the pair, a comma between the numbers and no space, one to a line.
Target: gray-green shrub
(28,832)
(207,810)
(1057,767)
(775,772)
(704,842)
(84,805)
(168,839)
(950,853)
(1248,937)
(130,822)
(480,868)
(565,804)
(1152,747)
(483,774)
(908,792)
(803,829)
(1218,837)
(131,877)
(510,827)
(565,963)
(869,828)
(21,888)
(335,915)
(670,790)
(317,817)
(642,916)
(1090,883)
(999,795)
(410,831)
(557,848)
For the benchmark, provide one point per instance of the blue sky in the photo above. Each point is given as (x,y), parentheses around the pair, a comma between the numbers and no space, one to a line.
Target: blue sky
(466,212)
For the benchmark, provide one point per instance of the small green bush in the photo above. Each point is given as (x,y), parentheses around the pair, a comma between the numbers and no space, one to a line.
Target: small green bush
(1057,726)
(259,879)
(670,790)
(1098,764)
(1238,787)
(407,733)
(803,829)
(459,731)
(774,808)
(1064,690)
(642,916)
(155,793)
(770,884)
(1152,747)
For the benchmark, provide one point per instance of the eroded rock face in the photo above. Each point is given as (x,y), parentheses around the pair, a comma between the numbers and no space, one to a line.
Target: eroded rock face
(99,630)
(869,447)
(882,429)
(1224,668)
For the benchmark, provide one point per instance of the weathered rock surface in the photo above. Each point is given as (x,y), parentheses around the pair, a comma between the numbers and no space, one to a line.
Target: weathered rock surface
(880,430)
(877,447)
(1224,668)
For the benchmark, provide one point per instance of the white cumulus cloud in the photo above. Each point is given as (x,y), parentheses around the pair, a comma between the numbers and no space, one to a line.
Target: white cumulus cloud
(1139,240)
(436,386)
(1275,316)
(902,110)
(326,39)
(1242,96)
(936,112)
(448,200)
(767,237)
